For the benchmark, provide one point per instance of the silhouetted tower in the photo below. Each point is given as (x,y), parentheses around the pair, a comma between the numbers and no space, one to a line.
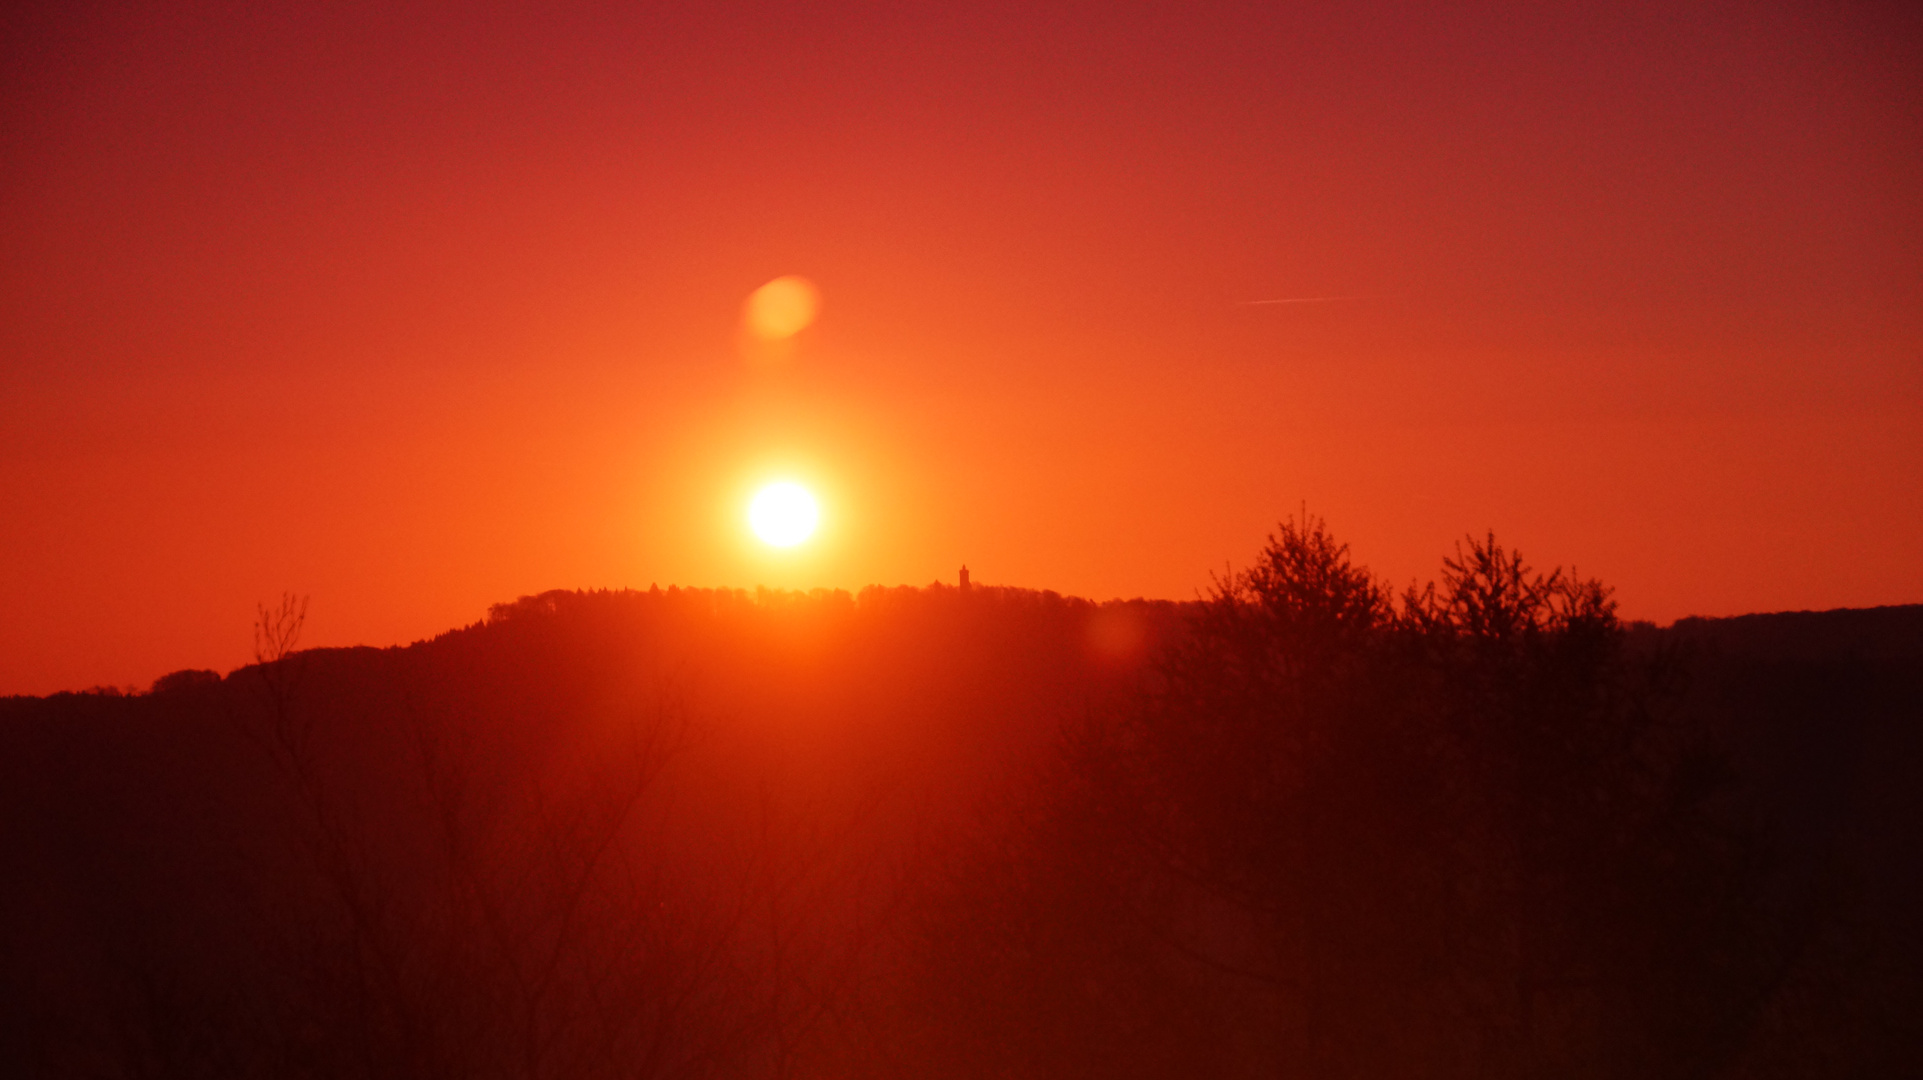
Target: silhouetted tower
(964,579)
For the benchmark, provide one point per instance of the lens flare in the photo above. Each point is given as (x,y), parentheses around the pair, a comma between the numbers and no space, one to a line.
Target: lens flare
(783,514)
(782,308)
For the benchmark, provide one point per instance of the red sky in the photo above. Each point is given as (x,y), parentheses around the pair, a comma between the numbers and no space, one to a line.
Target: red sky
(415,313)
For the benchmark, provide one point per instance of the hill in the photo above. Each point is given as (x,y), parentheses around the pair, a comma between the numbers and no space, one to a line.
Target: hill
(691,832)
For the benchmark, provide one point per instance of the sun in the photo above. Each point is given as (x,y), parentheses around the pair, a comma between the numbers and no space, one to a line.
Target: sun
(783,514)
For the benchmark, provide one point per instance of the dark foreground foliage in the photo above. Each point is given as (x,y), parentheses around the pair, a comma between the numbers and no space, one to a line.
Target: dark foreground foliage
(1303,827)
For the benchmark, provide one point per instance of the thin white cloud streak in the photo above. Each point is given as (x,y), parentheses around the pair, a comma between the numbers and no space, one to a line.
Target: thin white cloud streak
(1301,300)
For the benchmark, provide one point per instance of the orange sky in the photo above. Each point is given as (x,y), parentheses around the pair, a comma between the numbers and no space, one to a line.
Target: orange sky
(416,313)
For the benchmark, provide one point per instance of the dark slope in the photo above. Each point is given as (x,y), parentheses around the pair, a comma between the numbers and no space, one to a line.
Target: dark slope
(687,829)
(310,858)
(1826,711)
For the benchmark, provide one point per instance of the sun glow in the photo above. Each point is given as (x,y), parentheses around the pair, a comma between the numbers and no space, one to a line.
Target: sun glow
(783,514)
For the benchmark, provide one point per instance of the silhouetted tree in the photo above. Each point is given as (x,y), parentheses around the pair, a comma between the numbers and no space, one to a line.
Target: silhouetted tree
(1441,834)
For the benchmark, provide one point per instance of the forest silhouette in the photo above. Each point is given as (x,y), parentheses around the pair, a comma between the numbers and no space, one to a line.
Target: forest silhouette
(1307,825)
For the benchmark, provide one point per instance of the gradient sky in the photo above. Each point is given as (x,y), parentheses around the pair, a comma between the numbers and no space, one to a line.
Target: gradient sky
(416,312)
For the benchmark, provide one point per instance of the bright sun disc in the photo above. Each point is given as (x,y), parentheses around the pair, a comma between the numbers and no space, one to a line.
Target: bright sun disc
(783,514)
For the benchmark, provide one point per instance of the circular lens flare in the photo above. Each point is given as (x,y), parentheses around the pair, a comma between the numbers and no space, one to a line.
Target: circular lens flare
(783,514)
(782,308)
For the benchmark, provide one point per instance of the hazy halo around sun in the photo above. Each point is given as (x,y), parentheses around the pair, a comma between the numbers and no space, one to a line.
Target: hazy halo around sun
(783,514)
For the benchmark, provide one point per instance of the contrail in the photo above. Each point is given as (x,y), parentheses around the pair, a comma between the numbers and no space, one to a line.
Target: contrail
(1302,300)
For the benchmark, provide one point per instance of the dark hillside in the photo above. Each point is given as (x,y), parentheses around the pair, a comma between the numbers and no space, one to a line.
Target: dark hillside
(1824,710)
(306,858)
(1291,830)
(1882,633)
